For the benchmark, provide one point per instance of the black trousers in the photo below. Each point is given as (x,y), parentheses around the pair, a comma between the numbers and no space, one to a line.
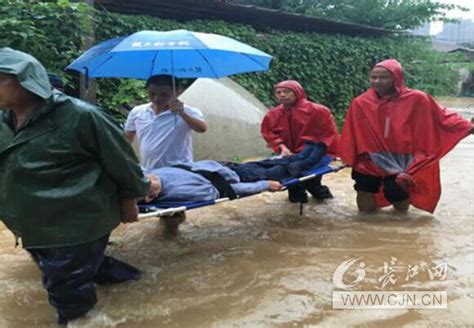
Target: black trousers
(280,168)
(69,274)
(297,192)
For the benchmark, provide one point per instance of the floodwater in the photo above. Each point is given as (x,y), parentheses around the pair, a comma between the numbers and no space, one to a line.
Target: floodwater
(256,262)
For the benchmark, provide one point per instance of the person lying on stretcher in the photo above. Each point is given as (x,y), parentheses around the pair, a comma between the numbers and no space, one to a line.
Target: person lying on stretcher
(209,180)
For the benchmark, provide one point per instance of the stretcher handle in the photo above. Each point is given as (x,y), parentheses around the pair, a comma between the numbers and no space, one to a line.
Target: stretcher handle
(173,210)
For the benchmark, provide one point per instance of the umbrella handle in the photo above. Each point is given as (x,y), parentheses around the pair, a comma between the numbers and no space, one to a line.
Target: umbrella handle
(173,82)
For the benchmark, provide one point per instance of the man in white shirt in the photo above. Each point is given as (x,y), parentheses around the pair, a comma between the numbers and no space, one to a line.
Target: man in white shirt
(164,127)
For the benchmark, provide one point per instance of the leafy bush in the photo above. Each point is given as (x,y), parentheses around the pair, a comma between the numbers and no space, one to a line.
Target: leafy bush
(332,68)
(49,31)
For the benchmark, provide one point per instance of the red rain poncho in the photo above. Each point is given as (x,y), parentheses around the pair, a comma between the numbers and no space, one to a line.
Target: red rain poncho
(409,124)
(304,121)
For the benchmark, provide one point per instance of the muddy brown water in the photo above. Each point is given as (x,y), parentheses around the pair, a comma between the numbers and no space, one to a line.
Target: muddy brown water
(256,262)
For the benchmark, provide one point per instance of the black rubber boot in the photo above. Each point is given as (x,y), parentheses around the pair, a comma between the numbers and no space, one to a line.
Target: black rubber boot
(112,271)
(321,193)
(316,189)
(297,194)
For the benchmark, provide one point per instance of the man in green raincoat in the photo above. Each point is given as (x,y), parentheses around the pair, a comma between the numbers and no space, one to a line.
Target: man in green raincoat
(67,179)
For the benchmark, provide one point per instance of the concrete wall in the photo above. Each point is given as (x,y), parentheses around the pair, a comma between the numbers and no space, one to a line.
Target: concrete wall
(233,116)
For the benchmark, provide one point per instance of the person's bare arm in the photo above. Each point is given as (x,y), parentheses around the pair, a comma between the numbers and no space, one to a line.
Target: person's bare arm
(129,135)
(274,185)
(128,206)
(284,151)
(195,124)
(128,210)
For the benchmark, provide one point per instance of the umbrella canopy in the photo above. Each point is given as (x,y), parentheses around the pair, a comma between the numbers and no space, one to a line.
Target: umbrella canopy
(180,53)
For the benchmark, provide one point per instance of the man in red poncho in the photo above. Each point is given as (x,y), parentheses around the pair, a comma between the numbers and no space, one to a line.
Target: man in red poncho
(296,121)
(393,138)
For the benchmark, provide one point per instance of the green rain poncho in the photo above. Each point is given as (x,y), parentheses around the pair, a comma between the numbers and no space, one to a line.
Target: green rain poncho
(63,172)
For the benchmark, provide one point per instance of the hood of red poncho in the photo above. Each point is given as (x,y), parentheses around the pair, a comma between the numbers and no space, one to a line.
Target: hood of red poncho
(394,67)
(294,86)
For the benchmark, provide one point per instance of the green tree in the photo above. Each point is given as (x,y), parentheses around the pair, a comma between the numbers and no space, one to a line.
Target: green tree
(390,14)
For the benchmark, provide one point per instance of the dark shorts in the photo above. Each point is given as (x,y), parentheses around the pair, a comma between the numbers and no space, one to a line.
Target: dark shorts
(370,183)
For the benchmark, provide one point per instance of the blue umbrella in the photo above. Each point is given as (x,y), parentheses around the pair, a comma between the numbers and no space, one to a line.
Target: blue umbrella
(180,53)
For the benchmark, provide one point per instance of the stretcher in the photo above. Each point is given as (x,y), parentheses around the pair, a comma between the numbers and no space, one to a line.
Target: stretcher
(160,209)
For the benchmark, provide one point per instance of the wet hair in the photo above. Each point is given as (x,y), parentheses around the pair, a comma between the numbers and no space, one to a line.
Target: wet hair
(162,79)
